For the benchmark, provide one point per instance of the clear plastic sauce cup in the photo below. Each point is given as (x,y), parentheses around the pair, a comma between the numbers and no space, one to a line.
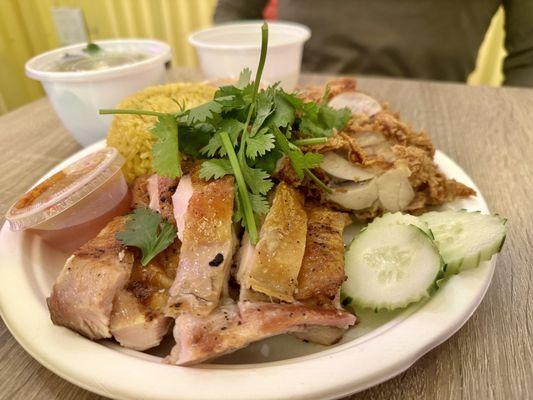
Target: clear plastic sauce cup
(73,205)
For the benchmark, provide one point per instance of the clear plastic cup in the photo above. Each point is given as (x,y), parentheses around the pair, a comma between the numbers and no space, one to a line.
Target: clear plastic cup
(224,50)
(73,205)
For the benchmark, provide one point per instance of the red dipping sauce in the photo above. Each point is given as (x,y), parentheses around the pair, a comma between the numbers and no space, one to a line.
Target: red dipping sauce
(73,205)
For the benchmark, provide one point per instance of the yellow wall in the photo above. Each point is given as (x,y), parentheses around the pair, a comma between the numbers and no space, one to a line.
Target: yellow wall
(26,29)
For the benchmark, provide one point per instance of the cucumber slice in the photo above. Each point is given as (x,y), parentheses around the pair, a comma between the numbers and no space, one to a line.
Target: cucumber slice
(391,266)
(398,218)
(464,238)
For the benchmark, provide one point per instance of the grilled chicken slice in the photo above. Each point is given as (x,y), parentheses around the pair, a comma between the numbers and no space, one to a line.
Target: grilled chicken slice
(322,272)
(234,326)
(134,325)
(208,245)
(160,191)
(180,202)
(139,193)
(272,266)
(82,296)
(138,321)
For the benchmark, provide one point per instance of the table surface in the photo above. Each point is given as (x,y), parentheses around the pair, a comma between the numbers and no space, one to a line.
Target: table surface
(488,131)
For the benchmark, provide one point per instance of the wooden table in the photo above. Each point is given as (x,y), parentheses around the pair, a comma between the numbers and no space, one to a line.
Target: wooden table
(488,131)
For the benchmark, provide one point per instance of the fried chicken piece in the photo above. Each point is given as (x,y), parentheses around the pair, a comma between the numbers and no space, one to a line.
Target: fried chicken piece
(335,87)
(380,142)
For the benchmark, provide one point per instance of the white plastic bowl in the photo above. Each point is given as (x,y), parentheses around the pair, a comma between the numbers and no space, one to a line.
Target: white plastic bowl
(224,50)
(77,96)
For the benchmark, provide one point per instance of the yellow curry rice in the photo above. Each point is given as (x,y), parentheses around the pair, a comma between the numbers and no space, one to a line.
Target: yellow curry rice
(130,134)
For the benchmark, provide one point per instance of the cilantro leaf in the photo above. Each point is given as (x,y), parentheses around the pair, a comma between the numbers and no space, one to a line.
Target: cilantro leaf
(300,161)
(193,139)
(165,151)
(264,107)
(257,180)
(283,114)
(320,120)
(233,98)
(259,144)
(146,230)
(203,112)
(215,168)
(233,128)
(260,206)
(244,78)
(333,118)
(269,161)
(92,49)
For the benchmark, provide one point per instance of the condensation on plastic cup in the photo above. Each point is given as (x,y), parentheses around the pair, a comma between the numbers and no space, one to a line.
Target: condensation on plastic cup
(78,95)
(73,205)
(226,49)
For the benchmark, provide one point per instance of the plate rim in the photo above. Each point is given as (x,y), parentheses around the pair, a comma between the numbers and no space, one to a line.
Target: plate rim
(344,384)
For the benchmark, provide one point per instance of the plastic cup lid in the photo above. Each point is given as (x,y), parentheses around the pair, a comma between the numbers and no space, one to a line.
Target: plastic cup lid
(64,189)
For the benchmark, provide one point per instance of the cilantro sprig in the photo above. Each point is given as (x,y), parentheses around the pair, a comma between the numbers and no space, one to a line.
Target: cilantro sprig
(243,132)
(146,230)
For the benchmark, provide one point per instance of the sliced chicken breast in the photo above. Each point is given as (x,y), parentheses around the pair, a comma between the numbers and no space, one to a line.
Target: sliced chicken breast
(207,249)
(234,326)
(137,320)
(139,193)
(82,296)
(272,266)
(134,325)
(160,191)
(322,272)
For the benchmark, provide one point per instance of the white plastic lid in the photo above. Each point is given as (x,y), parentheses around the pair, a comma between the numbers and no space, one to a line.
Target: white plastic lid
(64,189)
(158,52)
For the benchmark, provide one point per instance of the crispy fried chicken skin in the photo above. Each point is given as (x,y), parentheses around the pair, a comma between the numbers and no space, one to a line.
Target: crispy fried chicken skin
(376,141)
(322,271)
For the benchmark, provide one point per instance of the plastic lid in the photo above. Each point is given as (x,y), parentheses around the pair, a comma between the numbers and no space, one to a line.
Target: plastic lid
(64,189)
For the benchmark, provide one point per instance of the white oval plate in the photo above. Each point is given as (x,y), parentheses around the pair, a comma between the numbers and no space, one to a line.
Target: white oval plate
(380,347)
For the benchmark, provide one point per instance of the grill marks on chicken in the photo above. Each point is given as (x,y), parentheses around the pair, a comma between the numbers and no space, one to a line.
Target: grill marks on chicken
(289,281)
(322,272)
(272,266)
(160,191)
(208,245)
(82,296)
(234,326)
(138,321)
(190,279)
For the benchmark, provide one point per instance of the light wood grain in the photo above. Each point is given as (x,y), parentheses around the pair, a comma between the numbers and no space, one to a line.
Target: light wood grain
(488,131)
